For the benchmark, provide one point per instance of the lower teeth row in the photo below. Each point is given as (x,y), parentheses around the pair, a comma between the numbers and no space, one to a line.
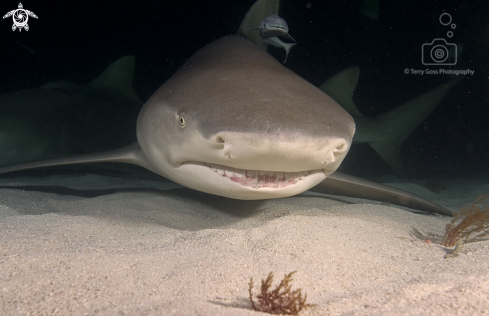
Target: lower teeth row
(258,178)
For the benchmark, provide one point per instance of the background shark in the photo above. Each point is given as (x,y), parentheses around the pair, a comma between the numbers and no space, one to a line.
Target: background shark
(62,118)
(386,132)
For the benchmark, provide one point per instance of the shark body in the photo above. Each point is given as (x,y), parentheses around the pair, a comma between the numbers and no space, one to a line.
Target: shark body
(246,125)
(64,118)
(232,121)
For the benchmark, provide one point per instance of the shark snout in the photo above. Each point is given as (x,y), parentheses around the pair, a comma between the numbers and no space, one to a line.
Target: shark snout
(337,149)
(279,153)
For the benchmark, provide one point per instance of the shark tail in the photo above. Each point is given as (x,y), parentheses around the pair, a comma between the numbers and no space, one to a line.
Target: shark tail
(117,79)
(260,10)
(386,133)
(287,47)
(398,123)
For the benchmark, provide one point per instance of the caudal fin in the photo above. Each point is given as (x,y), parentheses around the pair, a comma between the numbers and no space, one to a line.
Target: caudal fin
(397,124)
(386,133)
(287,47)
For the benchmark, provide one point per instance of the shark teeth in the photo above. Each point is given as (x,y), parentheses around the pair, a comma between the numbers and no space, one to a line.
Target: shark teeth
(257,178)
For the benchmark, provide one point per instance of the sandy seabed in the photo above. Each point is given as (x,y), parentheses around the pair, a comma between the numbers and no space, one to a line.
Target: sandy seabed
(97,244)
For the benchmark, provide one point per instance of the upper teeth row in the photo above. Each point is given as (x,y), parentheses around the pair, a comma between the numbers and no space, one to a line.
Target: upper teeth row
(258,178)
(241,173)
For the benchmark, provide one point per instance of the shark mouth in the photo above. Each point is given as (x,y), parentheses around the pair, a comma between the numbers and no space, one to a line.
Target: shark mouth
(258,179)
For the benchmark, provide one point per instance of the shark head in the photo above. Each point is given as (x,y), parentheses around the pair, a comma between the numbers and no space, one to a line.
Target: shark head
(234,122)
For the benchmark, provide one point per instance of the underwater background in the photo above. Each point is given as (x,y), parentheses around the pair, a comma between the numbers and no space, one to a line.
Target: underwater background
(121,240)
(76,41)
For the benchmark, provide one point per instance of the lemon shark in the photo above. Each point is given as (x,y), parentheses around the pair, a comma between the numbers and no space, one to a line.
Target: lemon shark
(63,118)
(234,122)
(386,132)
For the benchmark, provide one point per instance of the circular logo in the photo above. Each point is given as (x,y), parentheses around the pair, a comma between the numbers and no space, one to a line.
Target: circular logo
(439,53)
(20,17)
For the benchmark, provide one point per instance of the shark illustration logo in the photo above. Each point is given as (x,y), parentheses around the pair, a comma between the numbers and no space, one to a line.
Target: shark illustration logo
(20,18)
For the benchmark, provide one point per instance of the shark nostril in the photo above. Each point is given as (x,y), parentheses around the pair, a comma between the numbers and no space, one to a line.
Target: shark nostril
(340,148)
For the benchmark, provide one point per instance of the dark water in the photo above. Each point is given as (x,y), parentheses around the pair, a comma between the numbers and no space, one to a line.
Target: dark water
(76,40)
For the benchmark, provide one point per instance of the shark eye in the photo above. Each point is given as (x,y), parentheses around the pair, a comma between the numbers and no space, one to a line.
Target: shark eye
(182,122)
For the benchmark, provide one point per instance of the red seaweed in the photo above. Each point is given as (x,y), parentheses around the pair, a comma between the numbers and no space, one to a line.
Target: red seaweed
(281,300)
(469,224)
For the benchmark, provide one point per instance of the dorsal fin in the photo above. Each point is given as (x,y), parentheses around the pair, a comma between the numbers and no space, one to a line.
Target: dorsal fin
(251,22)
(341,87)
(117,79)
